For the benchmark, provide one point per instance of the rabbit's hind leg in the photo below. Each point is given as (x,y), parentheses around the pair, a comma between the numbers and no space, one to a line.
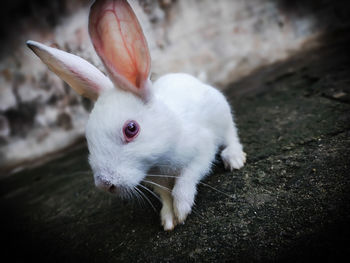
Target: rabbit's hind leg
(232,155)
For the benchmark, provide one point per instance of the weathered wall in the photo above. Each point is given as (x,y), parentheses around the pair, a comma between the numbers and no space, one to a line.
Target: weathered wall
(218,41)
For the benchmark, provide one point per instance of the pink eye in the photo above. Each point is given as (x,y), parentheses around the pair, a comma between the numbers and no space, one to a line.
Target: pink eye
(131,129)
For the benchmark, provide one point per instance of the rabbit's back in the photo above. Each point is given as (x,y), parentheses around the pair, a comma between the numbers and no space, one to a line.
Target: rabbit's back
(194,101)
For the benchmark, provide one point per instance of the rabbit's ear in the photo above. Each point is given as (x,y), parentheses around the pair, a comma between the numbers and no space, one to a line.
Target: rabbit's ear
(119,41)
(83,77)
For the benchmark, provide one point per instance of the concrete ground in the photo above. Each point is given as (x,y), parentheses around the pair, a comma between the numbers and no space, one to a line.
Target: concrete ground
(290,203)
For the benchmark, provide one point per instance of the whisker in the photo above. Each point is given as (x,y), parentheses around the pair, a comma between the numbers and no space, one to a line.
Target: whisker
(156,196)
(138,197)
(217,190)
(160,186)
(204,184)
(138,194)
(196,212)
(147,199)
(128,194)
(207,185)
(162,176)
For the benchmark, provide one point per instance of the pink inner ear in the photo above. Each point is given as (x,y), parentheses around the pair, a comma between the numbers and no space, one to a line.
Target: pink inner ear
(119,41)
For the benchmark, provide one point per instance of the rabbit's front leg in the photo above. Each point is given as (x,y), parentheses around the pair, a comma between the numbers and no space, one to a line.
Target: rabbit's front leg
(185,187)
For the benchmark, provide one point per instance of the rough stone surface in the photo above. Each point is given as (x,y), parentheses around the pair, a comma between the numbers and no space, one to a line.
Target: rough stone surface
(290,203)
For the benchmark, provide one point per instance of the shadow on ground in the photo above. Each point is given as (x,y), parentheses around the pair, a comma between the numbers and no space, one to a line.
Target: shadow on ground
(289,203)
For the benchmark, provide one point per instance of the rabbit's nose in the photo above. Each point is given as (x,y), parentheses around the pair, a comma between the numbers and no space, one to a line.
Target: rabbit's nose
(105,185)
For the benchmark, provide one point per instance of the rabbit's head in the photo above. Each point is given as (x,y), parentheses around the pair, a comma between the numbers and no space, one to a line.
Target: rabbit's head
(129,130)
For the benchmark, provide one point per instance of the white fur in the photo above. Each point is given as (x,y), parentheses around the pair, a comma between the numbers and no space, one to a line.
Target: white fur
(182,127)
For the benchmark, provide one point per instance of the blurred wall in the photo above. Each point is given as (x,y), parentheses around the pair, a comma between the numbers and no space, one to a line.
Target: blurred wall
(217,41)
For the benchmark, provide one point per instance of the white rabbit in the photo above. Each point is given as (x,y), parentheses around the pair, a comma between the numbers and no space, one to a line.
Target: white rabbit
(164,135)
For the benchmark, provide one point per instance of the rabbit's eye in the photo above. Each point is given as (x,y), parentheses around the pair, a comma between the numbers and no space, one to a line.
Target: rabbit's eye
(131,130)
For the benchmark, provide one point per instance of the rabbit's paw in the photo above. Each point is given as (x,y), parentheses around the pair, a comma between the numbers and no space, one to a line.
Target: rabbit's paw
(181,210)
(168,218)
(233,157)
(183,201)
